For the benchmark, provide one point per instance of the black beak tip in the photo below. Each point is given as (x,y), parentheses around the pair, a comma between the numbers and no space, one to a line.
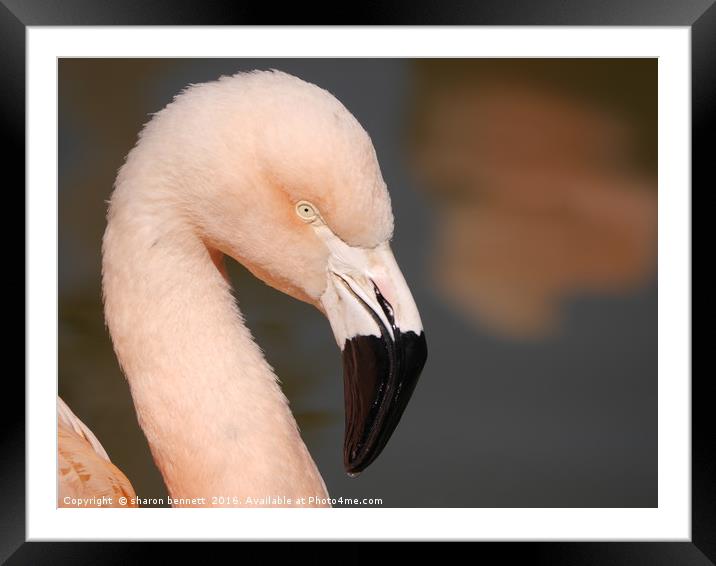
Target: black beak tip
(379,378)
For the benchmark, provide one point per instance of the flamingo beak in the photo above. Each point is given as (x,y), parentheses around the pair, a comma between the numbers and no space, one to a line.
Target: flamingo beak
(378,328)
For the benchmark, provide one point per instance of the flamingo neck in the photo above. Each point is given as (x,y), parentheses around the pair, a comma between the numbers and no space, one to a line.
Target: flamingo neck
(210,406)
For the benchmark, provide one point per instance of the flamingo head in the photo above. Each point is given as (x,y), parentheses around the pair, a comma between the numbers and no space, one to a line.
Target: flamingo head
(286,181)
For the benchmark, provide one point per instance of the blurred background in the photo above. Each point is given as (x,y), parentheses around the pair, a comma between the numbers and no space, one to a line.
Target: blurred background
(525,197)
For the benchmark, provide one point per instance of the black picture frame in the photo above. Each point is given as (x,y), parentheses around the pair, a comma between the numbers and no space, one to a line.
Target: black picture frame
(699,15)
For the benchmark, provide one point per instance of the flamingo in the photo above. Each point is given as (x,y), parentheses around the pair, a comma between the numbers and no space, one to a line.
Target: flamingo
(276,173)
(86,476)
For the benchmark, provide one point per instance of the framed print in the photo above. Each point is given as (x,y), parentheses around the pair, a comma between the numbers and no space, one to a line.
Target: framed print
(428,280)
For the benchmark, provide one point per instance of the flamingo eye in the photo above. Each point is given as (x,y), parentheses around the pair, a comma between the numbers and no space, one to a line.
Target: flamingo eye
(306,211)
